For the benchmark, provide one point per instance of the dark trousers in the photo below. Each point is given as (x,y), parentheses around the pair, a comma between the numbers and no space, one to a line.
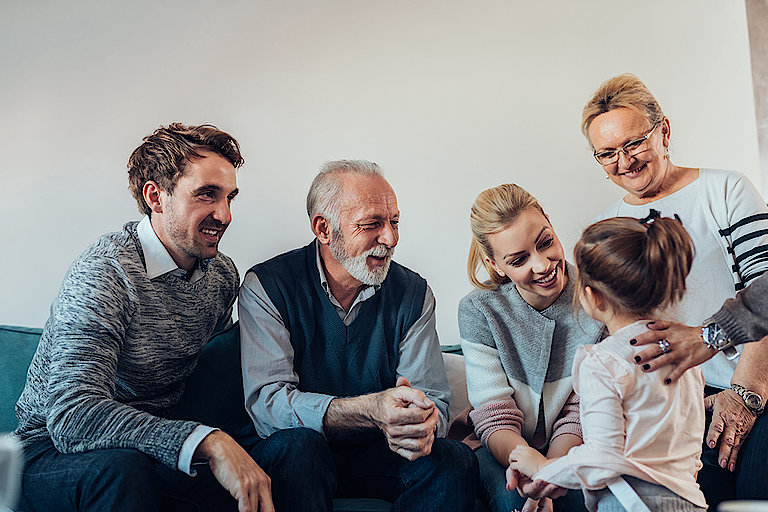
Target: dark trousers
(117,480)
(307,473)
(750,479)
(493,489)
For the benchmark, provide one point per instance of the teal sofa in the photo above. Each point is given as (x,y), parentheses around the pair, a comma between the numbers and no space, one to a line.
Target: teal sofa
(213,395)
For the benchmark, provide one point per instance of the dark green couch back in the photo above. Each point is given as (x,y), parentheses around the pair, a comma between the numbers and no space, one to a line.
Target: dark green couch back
(213,396)
(17,346)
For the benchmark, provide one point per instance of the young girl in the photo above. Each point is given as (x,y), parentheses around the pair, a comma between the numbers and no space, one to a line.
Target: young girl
(642,438)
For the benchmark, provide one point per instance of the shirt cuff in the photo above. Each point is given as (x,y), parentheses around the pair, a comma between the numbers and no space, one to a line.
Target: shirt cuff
(190,445)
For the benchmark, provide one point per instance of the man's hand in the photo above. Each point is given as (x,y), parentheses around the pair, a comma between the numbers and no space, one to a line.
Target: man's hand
(686,348)
(237,472)
(731,424)
(407,418)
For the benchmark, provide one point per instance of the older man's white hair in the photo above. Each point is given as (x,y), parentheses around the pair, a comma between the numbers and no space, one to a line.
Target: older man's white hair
(325,192)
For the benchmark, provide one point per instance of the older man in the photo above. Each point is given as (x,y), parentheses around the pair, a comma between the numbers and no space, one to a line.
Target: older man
(341,361)
(134,312)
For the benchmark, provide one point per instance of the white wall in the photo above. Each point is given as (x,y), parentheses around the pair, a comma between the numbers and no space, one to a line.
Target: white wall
(449,98)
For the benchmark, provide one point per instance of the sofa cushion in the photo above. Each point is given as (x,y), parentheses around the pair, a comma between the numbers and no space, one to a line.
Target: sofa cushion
(17,346)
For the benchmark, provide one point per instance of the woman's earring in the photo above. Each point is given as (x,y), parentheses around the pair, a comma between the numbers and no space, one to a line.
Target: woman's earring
(607,177)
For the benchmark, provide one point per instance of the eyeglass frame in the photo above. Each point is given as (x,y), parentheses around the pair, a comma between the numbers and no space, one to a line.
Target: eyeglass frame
(639,140)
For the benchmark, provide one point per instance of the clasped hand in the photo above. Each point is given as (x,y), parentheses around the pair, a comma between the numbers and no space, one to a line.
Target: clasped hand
(408,420)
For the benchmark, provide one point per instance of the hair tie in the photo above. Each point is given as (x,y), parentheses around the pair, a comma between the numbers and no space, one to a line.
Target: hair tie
(648,220)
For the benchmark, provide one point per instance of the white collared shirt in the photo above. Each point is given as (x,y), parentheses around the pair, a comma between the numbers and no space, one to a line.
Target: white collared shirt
(158,262)
(157,259)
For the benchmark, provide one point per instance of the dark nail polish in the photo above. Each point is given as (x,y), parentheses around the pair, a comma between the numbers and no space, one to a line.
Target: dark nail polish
(646,367)
(667,381)
(632,341)
(637,359)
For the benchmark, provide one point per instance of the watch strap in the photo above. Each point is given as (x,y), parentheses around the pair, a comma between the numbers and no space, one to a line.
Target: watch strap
(716,338)
(749,396)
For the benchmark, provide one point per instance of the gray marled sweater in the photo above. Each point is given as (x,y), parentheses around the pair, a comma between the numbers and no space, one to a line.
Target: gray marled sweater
(117,349)
(745,318)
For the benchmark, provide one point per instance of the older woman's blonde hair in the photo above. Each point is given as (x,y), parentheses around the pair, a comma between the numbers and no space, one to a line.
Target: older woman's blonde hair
(625,91)
(493,211)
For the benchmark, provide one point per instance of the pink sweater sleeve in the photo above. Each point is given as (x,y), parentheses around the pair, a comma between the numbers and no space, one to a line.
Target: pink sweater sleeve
(497,415)
(568,421)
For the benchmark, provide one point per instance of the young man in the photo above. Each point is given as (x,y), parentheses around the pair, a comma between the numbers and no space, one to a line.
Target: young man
(133,313)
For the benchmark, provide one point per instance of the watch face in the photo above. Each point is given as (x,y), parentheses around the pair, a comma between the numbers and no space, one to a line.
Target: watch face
(753,401)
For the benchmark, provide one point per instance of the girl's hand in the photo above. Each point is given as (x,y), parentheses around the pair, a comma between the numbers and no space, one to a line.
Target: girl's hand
(526,460)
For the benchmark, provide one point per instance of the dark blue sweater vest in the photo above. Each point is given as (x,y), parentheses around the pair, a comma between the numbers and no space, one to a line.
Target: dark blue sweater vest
(330,357)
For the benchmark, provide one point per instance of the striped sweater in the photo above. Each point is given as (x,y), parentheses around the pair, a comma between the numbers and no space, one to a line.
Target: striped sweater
(728,223)
(117,349)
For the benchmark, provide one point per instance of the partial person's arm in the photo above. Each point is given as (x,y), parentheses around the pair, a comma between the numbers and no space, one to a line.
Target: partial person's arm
(272,398)
(745,317)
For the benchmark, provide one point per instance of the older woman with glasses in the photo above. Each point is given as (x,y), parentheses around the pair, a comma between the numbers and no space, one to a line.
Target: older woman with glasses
(728,222)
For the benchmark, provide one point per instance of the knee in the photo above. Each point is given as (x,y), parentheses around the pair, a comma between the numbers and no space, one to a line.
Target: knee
(292,450)
(456,457)
(122,471)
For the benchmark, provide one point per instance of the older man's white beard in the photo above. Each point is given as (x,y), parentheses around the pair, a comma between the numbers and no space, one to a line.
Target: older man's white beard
(357,266)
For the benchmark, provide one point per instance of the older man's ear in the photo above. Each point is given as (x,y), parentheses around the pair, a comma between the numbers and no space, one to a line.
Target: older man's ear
(322,229)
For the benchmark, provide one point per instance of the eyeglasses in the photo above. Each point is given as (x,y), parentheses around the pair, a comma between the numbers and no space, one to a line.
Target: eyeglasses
(631,148)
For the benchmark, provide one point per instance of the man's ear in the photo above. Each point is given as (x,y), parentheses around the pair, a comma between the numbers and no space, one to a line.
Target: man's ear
(322,229)
(151,193)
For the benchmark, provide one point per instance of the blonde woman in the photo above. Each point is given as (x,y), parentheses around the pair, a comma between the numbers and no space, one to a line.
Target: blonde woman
(519,334)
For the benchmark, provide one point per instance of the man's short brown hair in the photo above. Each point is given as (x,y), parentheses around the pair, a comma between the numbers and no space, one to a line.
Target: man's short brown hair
(164,155)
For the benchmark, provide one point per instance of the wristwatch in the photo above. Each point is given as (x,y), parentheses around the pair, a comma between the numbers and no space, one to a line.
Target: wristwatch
(716,339)
(752,400)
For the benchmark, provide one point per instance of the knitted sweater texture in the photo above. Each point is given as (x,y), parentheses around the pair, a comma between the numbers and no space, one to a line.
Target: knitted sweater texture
(745,318)
(117,349)
(512,351)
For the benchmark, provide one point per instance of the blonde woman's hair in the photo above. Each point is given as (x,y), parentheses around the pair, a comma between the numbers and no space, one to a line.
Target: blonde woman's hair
(639,266)
(493,211)
(625,91)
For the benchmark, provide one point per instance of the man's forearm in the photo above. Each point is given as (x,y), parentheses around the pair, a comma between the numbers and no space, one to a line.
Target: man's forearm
(345,416)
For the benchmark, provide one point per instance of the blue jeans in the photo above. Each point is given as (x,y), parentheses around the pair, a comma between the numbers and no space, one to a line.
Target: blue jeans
(750,480)
(118,480)
(307,472)
(493,488)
